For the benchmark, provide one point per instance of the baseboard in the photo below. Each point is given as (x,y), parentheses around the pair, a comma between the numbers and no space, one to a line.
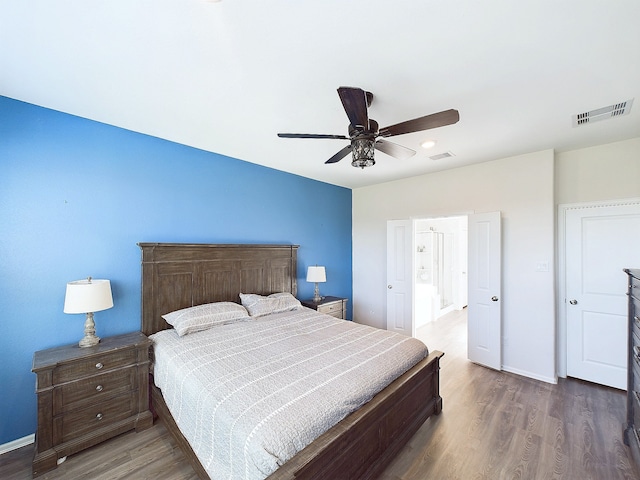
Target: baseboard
(552,380)
(19,443)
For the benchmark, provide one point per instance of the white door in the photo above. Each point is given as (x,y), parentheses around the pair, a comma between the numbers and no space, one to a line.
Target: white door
(400,260)
(600,242)
(484,319)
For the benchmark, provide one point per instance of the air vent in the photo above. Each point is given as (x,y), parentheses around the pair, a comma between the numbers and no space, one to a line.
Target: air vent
(440,156)
(604,113)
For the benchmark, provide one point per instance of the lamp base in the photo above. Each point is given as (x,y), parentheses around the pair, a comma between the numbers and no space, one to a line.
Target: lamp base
(316,294)
(90,339)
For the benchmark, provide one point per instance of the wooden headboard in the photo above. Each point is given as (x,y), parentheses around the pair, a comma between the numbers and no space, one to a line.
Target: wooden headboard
(177,275)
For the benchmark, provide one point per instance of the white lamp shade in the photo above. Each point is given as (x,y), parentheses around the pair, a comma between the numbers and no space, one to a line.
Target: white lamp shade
(88,295)
(316,274)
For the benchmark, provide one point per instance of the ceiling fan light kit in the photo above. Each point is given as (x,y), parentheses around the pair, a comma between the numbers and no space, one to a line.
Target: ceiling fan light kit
(362,152)
(364,132)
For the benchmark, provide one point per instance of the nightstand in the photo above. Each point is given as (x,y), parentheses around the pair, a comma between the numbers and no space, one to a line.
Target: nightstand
(334,306)
(88,395)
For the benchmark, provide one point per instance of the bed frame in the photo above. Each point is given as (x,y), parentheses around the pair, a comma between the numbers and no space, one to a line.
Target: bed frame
(176,276)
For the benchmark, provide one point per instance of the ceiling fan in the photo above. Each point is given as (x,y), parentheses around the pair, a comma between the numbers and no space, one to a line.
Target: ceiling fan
(364,132)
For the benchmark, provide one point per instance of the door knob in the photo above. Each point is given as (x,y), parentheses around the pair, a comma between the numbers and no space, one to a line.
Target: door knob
(494,299)
(573,302)
(389,287)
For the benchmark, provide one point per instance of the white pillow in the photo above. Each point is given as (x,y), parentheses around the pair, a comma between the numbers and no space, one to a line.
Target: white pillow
(258,305)
(202,317)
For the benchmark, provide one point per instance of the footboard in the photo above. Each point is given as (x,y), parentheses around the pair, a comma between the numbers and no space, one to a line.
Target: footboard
(364,443)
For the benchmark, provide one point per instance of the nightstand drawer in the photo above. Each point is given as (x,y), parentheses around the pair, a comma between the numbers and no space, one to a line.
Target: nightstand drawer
(635,351)
(98,364)
(94,389)
(77,423)
(635,369)
(636,303)
(331,308)
(636,408)
(635,365)
(634,294)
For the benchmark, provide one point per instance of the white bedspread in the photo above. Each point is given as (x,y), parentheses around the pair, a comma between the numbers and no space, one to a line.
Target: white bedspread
(248,396)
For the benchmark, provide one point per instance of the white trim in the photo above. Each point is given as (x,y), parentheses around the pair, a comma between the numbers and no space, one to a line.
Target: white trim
(19,443)
(431,216)
(620,202)
(535,376)
(561,308)
(561,312)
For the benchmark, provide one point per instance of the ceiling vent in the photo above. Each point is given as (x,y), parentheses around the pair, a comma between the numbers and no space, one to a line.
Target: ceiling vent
(604,113)
(440,156)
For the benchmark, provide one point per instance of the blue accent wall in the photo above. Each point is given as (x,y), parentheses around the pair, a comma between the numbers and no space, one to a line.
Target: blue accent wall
(77,195)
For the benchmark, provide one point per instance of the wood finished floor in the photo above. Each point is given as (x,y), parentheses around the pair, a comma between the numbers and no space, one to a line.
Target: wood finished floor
(494,425)
(497,425)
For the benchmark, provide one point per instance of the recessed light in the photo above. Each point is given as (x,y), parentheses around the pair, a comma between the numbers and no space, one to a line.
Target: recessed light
(428,144)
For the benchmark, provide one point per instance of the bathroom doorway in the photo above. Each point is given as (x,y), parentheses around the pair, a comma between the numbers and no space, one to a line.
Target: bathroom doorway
(440,279)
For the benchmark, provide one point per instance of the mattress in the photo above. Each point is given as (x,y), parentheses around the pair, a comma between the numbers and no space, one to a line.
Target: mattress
(249,395)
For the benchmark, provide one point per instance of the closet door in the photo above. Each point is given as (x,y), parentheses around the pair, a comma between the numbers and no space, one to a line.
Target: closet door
(600,242)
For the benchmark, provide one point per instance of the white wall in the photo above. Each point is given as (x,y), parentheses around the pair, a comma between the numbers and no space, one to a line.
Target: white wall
(522,188)
(604,172)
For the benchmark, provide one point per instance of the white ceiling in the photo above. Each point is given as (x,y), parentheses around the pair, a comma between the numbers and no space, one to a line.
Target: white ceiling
(227,77)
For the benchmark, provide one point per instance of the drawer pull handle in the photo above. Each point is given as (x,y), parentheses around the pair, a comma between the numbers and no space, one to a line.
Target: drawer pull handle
(99,388)
(99,365)
(99,416)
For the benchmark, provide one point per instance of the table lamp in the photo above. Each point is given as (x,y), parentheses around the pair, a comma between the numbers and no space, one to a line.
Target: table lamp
(88,296)
(316,274)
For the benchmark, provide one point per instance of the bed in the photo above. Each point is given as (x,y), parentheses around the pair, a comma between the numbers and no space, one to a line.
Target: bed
(176,276)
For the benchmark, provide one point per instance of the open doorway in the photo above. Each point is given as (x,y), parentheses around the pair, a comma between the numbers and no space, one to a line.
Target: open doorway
(475,266)
(440,269)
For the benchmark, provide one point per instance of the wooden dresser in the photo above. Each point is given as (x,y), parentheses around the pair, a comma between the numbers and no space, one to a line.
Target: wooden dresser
(632,432)
(334,306)
(88,395)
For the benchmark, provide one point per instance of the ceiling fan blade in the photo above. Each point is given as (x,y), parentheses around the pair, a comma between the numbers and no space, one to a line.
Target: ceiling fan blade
(312,135)
(448,117)
(354,101)
(340,155)
(395,150)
